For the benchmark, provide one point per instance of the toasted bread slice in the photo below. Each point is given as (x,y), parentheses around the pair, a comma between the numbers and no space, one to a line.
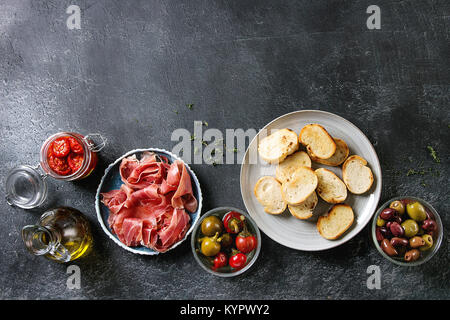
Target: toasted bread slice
(338,219)
(284,170)
(268,193)
(337,158)
(277,146)
(330,188)
(305,209)
(302,183)
(357,175)
(317,140)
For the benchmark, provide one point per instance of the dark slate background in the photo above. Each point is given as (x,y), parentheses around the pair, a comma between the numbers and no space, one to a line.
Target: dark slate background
(134,65)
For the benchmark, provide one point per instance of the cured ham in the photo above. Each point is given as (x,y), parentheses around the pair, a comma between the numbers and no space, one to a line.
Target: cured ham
(151,206)
(183,196)
(140,174)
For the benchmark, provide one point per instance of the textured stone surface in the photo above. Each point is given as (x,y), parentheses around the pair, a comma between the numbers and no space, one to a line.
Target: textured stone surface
(241,63)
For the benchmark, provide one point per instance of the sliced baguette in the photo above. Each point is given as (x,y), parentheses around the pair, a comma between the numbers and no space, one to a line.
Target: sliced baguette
(357,175)
(278,145)
(268,193)
(317,140)
(337,158)
(300,186)
(338,219)
(330,188)
(285,169)
(305,209)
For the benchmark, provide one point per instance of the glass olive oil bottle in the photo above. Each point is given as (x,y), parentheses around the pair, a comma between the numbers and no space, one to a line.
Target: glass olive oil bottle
(62,234)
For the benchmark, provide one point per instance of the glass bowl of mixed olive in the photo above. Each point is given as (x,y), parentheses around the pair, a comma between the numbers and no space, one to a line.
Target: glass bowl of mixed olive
(407,231)
(226,241)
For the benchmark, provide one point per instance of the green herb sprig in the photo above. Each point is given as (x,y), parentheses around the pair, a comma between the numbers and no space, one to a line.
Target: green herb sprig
(434,154)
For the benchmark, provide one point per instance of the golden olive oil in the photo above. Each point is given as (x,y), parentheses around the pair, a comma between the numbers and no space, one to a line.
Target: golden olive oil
(62,234)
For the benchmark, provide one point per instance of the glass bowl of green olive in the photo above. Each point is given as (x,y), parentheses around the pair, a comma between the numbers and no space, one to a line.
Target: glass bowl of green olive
(226,242)
(407,231)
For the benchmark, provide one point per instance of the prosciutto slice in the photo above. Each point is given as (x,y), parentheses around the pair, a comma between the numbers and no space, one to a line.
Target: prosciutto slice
(150,208)
(140,174)
(116,199)
(183,196)
(131,233)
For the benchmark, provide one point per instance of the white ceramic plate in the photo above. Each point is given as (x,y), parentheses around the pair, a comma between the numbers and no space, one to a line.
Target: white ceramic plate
(303,234)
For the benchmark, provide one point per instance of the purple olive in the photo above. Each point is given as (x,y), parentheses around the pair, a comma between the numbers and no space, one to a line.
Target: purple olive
(399,242)
(388,214)
(378,234)
(397,219)
(385,232)
(429,225)
(396,229)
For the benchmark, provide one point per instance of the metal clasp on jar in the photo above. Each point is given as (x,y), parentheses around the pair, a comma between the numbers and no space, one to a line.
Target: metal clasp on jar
(95,141)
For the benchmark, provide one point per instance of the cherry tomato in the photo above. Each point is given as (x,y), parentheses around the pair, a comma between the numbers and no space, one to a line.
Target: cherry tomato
(233,222)
(75,146)
(238,261)
(245,241)
(245,244)
(75,161)
(60,147)
(59,165)
(220,261)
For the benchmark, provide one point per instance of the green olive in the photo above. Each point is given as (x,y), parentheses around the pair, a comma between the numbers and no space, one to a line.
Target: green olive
(428,242)
(211,225)
(416,211)
(398,206)
(210,246)
(380,222)
(411,228)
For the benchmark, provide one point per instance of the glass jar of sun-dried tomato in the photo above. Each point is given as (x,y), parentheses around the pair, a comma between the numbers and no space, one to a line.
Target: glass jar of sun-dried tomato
(64,156)
(70,156)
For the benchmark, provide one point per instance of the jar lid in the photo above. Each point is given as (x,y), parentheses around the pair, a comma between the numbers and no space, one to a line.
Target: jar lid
(26,187)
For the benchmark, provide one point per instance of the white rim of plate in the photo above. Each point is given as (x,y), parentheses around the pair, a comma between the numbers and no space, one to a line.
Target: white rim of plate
(97,202)
(377,165)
